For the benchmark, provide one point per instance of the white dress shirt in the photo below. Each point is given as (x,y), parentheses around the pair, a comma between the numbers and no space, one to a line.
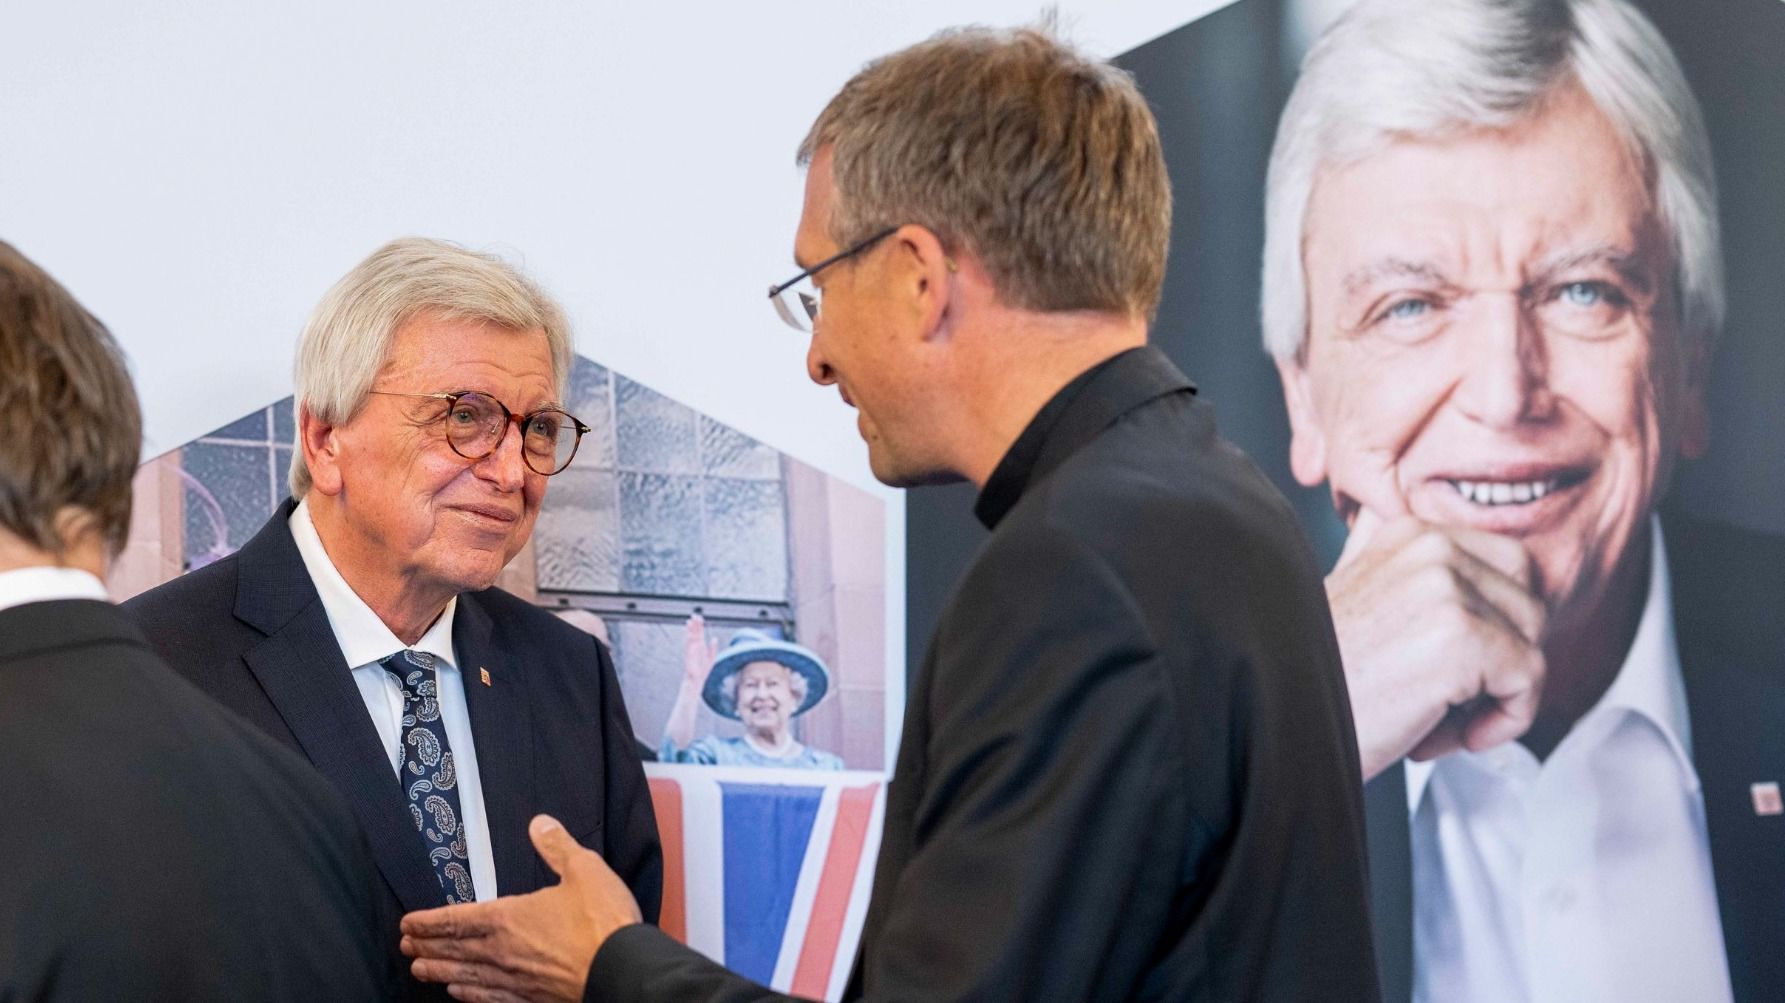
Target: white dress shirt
(365,640)
(1584,877)
(46,584)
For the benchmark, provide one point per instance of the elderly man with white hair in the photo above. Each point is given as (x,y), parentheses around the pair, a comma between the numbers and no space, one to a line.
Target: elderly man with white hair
(1492,284)
(360,625)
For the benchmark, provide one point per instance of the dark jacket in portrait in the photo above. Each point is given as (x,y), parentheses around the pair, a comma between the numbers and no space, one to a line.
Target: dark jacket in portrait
(154,846)
(1127,770)
(550,730)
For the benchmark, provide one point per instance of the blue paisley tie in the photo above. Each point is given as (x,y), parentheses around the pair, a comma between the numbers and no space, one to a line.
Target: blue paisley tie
(427,773)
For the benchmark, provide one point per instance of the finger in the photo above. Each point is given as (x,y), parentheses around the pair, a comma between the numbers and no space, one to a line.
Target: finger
(1363,529)
(484,949)
(479,994)
(1516,687)
(1503,711)
(463,973)
(473,919)
(1374,533)
(554,845)
(1504,554)
(1500,600)
(1497,724)
(1442,740)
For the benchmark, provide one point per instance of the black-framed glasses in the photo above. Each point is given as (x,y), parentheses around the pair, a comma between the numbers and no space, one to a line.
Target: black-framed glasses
(477,423)
(799,307)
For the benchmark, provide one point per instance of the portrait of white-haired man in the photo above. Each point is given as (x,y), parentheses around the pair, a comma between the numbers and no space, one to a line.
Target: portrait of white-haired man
(1492,287)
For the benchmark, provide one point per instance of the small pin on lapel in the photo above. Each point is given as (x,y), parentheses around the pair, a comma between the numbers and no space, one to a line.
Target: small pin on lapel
(1766,798)
(484,674)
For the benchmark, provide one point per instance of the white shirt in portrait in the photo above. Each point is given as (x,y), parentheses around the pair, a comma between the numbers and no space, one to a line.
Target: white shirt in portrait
(1583,877)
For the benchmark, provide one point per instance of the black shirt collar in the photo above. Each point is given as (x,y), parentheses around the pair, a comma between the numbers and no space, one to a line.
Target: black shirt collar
(1084,407)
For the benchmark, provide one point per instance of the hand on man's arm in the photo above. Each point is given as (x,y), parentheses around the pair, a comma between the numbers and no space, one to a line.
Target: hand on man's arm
(525,947)
(1440,630)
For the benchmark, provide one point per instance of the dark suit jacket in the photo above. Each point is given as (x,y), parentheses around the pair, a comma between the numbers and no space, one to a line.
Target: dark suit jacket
(1729,620)
(155,847)
(551,730)
(1127,770)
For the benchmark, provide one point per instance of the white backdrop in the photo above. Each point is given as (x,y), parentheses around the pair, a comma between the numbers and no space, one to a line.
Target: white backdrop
(198,173)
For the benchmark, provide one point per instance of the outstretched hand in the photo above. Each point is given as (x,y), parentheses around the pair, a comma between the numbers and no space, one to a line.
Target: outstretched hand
(525,947)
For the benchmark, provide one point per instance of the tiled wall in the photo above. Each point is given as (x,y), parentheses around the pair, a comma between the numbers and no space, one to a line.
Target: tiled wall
(662,500)
(237,477)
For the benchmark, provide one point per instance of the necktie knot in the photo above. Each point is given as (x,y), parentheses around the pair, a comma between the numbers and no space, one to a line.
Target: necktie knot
(415,673)
(406,662)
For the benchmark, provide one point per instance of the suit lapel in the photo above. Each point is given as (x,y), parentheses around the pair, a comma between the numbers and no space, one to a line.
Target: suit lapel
(300,666)
(1390,843)
(501,728)
(1728,596)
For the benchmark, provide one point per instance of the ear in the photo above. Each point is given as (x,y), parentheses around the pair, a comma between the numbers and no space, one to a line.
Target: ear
(321,443)
(1307,442)
(926,274)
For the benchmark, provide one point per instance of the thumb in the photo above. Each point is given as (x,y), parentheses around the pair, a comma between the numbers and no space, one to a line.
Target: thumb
(1363,529)
(554,845)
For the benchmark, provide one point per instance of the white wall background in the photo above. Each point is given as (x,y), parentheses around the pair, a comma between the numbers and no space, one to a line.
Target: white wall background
(198,173)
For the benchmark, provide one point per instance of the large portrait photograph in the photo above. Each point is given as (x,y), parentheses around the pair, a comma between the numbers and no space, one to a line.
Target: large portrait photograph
(1490,290)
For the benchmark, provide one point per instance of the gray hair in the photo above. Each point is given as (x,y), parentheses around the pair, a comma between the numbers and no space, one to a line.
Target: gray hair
(1041,161)
(1390,69)
(348,337)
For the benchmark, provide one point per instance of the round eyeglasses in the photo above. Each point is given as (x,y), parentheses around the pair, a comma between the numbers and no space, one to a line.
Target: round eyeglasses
(477,423)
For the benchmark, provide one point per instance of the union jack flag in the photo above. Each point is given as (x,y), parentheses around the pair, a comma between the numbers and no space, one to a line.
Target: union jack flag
(768,871)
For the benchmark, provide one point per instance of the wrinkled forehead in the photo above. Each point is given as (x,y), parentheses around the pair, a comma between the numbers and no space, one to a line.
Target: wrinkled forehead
(439,342)
(1570,123)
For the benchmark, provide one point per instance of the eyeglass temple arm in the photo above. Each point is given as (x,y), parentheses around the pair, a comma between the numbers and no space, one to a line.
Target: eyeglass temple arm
(833,259)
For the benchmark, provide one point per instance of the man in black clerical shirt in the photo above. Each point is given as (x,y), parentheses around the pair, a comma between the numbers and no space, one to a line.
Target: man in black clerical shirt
(1127,768)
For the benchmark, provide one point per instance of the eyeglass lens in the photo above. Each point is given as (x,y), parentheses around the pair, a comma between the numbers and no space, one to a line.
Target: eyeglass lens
(797,308)
(476,424)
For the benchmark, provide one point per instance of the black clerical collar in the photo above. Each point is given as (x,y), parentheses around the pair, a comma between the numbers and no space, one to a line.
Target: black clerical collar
(1082,408)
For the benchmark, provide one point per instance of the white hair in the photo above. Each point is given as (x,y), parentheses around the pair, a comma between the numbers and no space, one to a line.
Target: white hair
(348,337)
(1393,69)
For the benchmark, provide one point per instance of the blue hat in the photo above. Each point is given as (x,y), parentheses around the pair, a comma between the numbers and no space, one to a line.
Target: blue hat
(752,645)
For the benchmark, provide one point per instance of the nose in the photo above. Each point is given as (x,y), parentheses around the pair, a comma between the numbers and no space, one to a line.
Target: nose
(504,468)
(1504,378)
(817,368)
